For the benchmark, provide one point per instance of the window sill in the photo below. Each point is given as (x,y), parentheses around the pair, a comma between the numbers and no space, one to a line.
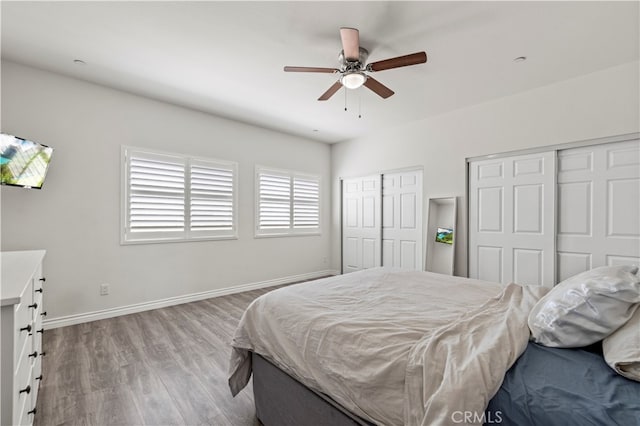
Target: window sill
(178,240)
(286,234)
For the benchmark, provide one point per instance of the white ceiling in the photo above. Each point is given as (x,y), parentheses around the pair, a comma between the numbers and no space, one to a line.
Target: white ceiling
(227,57)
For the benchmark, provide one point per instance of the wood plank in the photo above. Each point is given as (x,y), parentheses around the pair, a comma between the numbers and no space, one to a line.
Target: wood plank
(191,399)
(112,406)
(165,366)
(151,397)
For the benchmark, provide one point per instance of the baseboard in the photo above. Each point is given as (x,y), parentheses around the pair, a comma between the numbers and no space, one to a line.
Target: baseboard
(177,300)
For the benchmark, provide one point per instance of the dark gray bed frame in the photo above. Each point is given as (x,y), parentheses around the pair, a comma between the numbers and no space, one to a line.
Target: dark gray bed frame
(281,400)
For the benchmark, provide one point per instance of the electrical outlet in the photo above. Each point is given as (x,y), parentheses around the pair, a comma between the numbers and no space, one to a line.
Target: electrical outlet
(104,289)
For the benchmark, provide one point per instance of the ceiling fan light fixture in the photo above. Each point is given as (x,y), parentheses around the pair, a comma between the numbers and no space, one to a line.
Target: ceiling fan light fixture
(353,80)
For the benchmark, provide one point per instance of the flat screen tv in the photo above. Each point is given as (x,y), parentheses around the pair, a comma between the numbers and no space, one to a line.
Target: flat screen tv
(23,162)
(444,235)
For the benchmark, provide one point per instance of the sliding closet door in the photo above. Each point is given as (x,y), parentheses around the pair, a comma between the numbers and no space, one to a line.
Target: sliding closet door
(402,220)
(598,207)
(361,223)
(511,219)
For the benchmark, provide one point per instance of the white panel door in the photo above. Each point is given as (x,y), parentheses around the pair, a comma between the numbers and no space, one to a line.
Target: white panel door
(511,219)
(598,207)
(402,220)
(361,223)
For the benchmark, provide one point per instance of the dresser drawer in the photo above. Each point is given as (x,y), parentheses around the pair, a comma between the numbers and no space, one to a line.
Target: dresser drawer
(39,315)
(37,362)
(38,330)
(38,286)
(22,380)
(22,319)
(24,416)
(36,340)
(36,380)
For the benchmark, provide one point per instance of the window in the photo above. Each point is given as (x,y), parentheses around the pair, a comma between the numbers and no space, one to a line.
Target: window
(171,197)
(287,203)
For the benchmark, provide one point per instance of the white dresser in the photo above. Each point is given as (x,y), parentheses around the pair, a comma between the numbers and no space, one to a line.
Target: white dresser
(21,291)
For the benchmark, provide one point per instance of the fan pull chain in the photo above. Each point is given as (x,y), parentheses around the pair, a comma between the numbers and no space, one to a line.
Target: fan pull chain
(345,98)
(359,106)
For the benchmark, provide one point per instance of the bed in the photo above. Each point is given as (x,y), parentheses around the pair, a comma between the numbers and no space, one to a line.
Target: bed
(385,346)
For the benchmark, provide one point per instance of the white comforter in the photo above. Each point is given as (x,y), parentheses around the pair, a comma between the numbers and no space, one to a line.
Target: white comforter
(394,347)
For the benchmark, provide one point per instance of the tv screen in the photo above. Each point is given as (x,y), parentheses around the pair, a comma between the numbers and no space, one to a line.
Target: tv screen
(23,162)
(444,235)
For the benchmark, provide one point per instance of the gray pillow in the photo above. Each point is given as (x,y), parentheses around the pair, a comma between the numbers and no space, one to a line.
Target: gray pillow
(621,349)
(586,308)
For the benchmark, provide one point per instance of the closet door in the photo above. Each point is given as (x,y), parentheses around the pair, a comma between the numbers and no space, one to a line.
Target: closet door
(511,219)
(402,220)
(598,207)
(361,223)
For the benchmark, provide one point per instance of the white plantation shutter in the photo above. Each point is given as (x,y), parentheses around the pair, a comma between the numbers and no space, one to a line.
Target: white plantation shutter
(287,203)
(170,197)
(212,198)
(306,203)
(274,211)
(156,196)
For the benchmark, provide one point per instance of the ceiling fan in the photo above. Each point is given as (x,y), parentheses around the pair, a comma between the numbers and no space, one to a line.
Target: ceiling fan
(352,69)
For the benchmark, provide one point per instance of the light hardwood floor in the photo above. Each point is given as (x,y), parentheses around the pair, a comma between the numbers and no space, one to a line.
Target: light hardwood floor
(162,367)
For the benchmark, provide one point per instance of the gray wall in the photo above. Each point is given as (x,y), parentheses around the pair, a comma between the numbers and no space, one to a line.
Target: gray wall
(76,216)
(601,104)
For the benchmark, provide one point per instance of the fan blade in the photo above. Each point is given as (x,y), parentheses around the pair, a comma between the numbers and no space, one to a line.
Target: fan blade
(311,69)
(400,61)
(332,90)
(378,88)
(350,43)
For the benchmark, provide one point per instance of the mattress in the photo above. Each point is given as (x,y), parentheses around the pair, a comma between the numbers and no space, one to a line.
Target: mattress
(386,344)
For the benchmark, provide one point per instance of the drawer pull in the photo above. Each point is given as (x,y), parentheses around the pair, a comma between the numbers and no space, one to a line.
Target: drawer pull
(39,377)
(39,290)
(32,411)
(43,279)
(40,331)
(34,306)
(27,390)
(34,354)
(27,328)
(44,314)
(43,353)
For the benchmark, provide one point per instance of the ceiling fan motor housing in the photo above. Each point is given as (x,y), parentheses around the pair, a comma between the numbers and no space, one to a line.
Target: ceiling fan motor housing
(353,65)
